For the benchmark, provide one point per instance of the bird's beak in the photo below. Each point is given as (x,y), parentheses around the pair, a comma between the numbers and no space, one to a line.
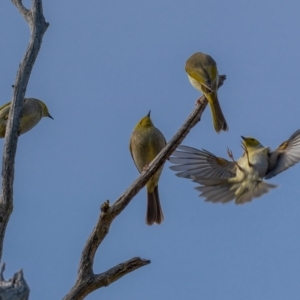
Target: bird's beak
(243,137)
(50,116)
(149,113)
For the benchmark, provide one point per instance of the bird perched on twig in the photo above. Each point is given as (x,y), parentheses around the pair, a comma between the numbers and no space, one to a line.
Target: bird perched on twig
(145,143)
(222,180)
(33,111)
(203,74)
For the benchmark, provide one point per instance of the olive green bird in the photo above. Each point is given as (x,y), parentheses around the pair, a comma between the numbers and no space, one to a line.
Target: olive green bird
(145,143)
(33,111)
(222,180)
(203,75)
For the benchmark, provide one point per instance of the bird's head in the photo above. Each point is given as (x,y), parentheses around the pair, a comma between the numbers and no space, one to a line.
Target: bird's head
(145,122)
(45,109)
(250,142)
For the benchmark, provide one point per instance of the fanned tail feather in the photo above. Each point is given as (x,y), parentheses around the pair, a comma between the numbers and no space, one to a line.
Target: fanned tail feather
(222,191)
(246,193)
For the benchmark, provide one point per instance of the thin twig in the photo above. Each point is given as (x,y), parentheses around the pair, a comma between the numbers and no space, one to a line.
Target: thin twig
(22,9)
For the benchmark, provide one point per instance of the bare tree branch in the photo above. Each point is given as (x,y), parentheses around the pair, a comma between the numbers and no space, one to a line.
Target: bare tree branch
(86,279)
(23,10)
(38,26)
(15,288)
(93,282)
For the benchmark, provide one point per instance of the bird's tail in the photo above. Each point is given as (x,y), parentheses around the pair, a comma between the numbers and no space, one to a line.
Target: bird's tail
(216,111)
(154,211)
(247,191)
(221,190)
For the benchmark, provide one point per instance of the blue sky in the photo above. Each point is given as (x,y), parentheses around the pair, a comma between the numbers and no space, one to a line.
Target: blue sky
(102,66)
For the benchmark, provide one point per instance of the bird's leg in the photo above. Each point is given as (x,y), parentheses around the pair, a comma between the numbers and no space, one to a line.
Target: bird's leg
(230,154)
(247,153)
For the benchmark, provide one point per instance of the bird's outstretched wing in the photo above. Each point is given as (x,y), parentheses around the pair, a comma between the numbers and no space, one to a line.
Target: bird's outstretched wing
(193,163)
(285,156)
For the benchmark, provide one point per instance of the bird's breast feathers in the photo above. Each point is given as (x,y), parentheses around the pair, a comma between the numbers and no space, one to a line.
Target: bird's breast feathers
(195,83)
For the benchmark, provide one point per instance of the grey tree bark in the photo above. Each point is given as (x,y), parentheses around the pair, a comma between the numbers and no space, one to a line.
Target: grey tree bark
(86,282)
(38,26)
(15,288)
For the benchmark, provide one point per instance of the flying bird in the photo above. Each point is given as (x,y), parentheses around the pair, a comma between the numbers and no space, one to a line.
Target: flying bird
(223,180)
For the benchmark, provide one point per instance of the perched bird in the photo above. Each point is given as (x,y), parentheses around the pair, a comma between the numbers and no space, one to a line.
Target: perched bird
(203,74)
(222,180)
(145,143)
(32,112)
